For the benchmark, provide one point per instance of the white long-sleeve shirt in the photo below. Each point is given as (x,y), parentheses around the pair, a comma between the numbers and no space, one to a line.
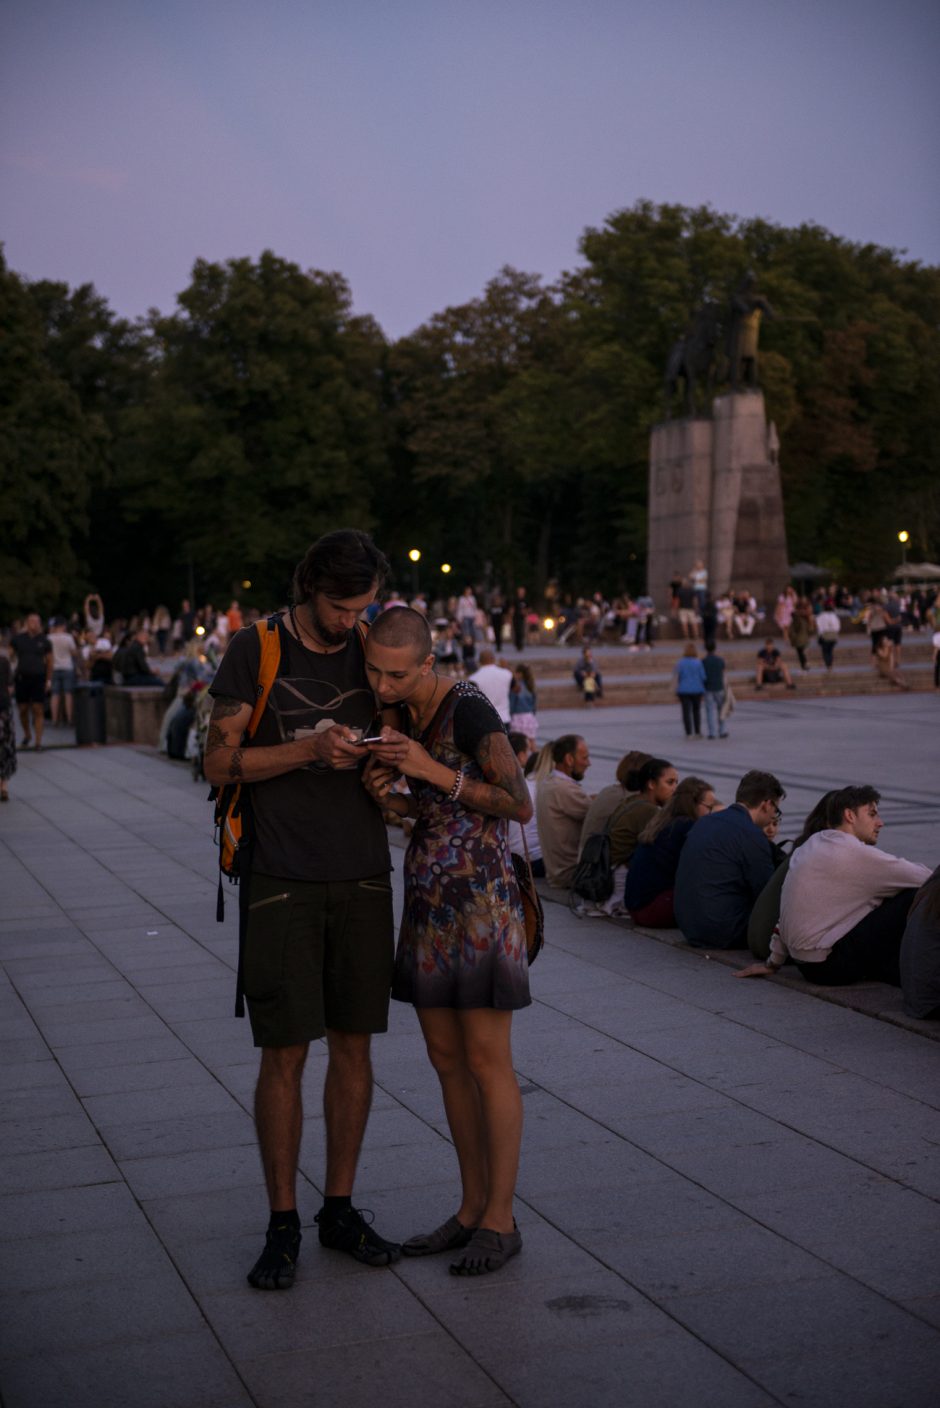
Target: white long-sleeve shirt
(833,881)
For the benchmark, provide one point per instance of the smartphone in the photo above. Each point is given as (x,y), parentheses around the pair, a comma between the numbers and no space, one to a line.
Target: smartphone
(377,738)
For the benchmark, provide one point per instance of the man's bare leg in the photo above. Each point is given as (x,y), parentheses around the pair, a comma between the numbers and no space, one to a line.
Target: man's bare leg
(38,712)
(347,1099)
(279,1120)
(23,710)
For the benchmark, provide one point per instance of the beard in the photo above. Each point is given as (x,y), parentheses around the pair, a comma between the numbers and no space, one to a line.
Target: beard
(576,776)
(322,632)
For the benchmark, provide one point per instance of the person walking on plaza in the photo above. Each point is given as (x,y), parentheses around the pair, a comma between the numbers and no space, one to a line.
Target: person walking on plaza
(495,681)
(65,659)
(783,611)
(688,614)
(461,959)
(714,668)
(690,681)
(32,655)
(828,628)
(802,629)
(7,730)
(319,943)
(467,613)
(520,619)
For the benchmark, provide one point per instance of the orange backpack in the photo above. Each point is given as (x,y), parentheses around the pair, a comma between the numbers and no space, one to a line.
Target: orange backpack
(230,830)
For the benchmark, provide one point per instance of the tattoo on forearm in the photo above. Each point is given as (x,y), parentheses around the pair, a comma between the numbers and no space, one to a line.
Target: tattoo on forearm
(224,708)
(215,738)
(235,766)
(504,791)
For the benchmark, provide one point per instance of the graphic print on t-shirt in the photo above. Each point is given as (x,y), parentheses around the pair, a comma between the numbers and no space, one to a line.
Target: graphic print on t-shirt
(301,707)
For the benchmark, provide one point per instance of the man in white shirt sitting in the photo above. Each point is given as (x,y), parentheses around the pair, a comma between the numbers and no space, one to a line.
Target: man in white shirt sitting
(494,680)
(844,903)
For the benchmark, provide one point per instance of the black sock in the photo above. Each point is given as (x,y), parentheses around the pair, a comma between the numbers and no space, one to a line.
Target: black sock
(290,1218)
(332,1207)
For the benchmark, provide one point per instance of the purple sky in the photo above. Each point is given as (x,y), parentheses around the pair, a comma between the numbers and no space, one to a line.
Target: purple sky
(418,145)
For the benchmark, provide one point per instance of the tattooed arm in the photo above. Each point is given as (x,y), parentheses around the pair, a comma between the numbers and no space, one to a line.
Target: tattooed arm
(227,761)
(504,793)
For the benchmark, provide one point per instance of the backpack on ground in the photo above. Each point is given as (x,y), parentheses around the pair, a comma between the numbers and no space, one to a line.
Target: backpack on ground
(594,876)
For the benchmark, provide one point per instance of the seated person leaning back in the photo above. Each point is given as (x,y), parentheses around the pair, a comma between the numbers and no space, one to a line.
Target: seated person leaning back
(725,863)
(844,903)
(651,877)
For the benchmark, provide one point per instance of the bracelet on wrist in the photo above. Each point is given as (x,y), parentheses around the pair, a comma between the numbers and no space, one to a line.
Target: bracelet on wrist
(454,792)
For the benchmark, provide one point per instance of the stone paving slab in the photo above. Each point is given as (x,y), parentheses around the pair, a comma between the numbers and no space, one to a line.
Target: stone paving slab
(728,1192)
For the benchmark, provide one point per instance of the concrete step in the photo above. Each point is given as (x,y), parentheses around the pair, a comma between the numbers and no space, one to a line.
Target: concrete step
(555,664)
(650,690)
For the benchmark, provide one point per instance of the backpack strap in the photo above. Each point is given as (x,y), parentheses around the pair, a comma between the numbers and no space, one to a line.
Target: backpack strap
(270,640)
(269,637)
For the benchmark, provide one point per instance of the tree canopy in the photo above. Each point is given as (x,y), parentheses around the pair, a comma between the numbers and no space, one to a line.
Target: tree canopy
(508,436)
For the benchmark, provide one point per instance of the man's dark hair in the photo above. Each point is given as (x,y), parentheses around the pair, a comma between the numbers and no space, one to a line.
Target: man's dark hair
(518,743)
(756,787)
(399,626)
(850,799)
(568,743)
(345,563)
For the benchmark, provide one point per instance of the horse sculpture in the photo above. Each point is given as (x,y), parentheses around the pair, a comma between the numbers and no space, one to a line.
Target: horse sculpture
(692,358)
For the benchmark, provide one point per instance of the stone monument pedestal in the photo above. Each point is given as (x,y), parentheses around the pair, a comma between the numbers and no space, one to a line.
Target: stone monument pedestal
(715,497)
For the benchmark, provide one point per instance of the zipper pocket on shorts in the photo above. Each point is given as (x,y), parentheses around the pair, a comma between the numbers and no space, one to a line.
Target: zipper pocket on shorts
(271,899)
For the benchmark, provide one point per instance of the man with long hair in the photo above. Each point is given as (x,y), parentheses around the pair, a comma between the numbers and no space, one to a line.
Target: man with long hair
(319,939)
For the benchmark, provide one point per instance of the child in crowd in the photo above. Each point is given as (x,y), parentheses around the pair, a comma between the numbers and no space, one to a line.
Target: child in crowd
(589,685)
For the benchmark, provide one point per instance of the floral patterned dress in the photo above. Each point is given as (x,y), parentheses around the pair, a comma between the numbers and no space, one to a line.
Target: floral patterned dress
(462,942)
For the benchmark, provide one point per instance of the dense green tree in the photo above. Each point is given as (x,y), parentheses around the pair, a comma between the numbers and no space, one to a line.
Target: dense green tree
(508,436)
(263,426)
(48,452)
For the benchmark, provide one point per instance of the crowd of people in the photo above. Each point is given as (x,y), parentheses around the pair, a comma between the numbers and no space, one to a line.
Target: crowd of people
(416,719)
(832,903)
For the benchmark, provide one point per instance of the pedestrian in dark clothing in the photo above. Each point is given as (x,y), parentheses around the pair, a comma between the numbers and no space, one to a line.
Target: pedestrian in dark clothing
(714,667)
(520,616)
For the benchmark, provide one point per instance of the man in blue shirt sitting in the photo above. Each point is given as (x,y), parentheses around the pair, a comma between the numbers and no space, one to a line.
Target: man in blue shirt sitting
(725,863)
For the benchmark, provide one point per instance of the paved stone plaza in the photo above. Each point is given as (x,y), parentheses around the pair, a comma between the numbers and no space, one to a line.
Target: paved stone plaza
(728,1191)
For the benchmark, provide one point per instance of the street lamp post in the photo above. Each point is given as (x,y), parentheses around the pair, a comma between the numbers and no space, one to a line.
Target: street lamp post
(904,538)
(414,555)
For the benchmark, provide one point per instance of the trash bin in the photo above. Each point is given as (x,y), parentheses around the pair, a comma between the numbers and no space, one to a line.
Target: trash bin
(89,713)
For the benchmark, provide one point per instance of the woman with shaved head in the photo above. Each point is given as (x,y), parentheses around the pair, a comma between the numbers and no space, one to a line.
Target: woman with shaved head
(461,958)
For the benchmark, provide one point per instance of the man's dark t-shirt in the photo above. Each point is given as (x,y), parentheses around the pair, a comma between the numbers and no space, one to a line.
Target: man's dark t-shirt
(770,657)
(714,667)
(315,823)
(31,652)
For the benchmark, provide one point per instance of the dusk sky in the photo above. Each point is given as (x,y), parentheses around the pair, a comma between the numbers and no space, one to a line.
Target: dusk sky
(418,145)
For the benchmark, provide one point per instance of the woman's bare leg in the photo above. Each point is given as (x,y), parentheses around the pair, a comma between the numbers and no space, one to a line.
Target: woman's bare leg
(444,1037)
(488,1045)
